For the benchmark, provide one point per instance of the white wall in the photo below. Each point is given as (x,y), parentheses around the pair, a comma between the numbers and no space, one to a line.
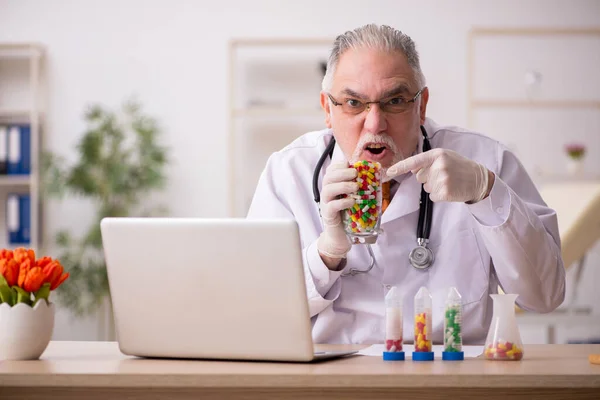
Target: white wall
(173,55)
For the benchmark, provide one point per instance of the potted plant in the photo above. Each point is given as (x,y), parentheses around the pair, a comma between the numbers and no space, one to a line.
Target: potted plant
(576,153)
(26,313)
(119,166)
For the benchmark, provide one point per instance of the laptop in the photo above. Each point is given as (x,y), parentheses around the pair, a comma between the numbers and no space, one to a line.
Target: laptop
(227,289)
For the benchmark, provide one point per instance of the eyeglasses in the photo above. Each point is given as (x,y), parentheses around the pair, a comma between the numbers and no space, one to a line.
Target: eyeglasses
(394,105)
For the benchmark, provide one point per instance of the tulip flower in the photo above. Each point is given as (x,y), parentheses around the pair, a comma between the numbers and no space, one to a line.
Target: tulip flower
(24,268)
(10,270)
(21,254)
(21,275)
(34,280)
(54,274)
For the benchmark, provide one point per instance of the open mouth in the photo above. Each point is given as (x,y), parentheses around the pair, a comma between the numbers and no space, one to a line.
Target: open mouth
(375,148)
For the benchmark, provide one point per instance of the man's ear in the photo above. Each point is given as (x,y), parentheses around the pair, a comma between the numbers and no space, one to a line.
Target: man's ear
(326,106)
(423,105)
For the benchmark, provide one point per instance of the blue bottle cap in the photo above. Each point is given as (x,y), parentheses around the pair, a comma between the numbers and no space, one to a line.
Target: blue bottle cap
(422,355)
(393,355)
(453,355)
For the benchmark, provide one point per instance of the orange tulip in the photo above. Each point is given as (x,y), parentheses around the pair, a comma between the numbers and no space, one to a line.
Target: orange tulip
(42,262)
(54,274)
(34,280)
(24,268)
(21,254)
(10,270)
(6,254)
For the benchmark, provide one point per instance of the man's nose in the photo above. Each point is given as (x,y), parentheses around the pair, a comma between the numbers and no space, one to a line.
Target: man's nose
(375,121)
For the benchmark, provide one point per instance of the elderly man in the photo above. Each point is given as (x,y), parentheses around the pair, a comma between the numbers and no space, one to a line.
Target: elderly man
(489,226)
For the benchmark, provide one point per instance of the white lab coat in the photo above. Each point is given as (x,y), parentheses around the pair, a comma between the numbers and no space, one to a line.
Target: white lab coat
(510,238)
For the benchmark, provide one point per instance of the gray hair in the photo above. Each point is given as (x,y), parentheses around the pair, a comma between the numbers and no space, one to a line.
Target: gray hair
(372,36)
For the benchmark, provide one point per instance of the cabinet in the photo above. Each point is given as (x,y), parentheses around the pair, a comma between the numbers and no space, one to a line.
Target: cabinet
(274,98)
(20,132)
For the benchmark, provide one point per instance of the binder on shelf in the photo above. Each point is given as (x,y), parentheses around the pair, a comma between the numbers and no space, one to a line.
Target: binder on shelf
(25,164)
(25,218)
(18,218)
(14,150)
(19,150)
(3,149)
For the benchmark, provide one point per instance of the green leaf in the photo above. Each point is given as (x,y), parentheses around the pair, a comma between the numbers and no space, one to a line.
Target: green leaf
(23,296)
(63,239)
(94,237)
(42,293)
(7,295)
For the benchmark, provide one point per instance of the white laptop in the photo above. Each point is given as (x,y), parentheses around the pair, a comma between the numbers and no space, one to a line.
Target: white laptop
(209,289)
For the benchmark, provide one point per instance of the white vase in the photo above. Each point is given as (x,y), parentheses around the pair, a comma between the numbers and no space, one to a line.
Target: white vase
(575,167)
(25,331)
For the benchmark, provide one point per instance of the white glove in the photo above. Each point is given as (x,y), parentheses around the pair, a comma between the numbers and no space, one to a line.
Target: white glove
(338,180)
(446,175)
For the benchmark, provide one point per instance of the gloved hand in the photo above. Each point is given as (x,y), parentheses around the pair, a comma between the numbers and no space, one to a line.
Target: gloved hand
(338,180)
(446,175)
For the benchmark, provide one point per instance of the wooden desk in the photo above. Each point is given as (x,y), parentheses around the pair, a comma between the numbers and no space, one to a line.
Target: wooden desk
(97,370)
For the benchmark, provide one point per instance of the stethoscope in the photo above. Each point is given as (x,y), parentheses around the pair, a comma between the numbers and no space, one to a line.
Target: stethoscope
(421,257)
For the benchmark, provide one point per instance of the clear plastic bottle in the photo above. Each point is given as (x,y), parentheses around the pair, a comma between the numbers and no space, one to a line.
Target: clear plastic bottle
(423,350)
(503,340)
(453,327)
(361,221)
(393,326)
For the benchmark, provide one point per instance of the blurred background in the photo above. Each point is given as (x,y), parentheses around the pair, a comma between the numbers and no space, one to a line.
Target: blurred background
(171,107)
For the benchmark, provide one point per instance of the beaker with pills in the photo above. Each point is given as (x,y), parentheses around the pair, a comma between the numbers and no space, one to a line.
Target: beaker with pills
(362,220)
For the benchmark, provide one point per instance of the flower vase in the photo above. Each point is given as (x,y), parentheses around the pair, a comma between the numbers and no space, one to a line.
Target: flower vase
(575,167)
(25,331)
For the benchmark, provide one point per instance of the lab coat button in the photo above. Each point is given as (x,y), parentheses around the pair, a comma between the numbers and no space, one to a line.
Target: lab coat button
(499,210)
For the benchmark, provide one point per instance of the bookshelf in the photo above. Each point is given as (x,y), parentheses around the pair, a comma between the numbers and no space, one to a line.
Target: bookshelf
(274,91)
(21,106)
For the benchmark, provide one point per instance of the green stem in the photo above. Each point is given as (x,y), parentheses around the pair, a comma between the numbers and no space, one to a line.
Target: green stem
(22,295)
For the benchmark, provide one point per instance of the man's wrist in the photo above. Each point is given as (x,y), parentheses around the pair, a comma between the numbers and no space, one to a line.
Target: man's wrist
(490,184)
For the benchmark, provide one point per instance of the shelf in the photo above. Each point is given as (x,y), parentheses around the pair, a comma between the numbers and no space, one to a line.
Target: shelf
(20,50)
(537,103)
(15,180)
(15,116)
(274,112)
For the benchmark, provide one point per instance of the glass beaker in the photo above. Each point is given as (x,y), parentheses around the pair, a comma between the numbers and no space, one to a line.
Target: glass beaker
(503,340)
(361,221)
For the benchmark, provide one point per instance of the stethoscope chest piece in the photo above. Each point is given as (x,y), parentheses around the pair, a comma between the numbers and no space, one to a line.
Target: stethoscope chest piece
(421,257)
